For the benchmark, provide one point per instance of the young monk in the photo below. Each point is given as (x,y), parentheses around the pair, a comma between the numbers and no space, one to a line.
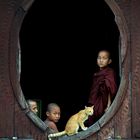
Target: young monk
(32,105)
(53,116)
(104,86)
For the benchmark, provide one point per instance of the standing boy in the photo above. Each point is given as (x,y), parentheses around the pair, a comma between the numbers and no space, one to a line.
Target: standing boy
(103,88)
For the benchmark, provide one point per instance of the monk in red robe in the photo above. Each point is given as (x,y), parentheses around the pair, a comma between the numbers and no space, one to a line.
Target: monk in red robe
(104,87)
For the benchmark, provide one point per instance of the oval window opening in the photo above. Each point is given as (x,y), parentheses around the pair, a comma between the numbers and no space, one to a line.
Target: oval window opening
(59,51)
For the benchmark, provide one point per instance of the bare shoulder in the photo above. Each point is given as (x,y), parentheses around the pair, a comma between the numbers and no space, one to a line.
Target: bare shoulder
(52,125)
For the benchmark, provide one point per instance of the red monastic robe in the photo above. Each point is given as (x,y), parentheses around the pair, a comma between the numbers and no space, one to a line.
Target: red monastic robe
(104,83)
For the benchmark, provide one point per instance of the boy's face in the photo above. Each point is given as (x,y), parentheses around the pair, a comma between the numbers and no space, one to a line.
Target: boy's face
(33,107)
(54,114)
(103,59)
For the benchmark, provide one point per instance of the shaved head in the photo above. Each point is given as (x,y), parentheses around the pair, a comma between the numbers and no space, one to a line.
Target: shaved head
(106,51)
(51,106)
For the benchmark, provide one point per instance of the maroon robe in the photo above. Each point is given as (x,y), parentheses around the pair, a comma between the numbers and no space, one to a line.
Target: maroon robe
(104,83)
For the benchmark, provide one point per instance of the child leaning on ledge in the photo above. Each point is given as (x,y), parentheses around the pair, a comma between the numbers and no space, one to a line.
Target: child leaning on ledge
(53,115)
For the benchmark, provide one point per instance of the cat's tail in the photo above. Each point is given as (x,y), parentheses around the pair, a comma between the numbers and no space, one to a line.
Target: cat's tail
(56,134)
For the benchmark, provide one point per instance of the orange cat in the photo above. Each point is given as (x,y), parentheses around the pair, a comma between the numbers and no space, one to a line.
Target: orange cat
(75,122)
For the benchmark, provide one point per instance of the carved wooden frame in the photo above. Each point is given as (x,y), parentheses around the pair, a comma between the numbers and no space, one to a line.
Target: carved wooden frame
(15,62)
(15,74)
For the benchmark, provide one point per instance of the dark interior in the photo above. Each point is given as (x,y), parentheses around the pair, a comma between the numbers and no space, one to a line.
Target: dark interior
(59,45)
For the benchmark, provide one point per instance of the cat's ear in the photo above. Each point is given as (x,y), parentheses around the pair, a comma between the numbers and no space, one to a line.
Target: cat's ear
(85,106)
(93,106)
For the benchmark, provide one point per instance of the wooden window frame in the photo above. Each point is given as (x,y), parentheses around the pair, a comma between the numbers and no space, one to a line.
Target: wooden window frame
(15,69)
